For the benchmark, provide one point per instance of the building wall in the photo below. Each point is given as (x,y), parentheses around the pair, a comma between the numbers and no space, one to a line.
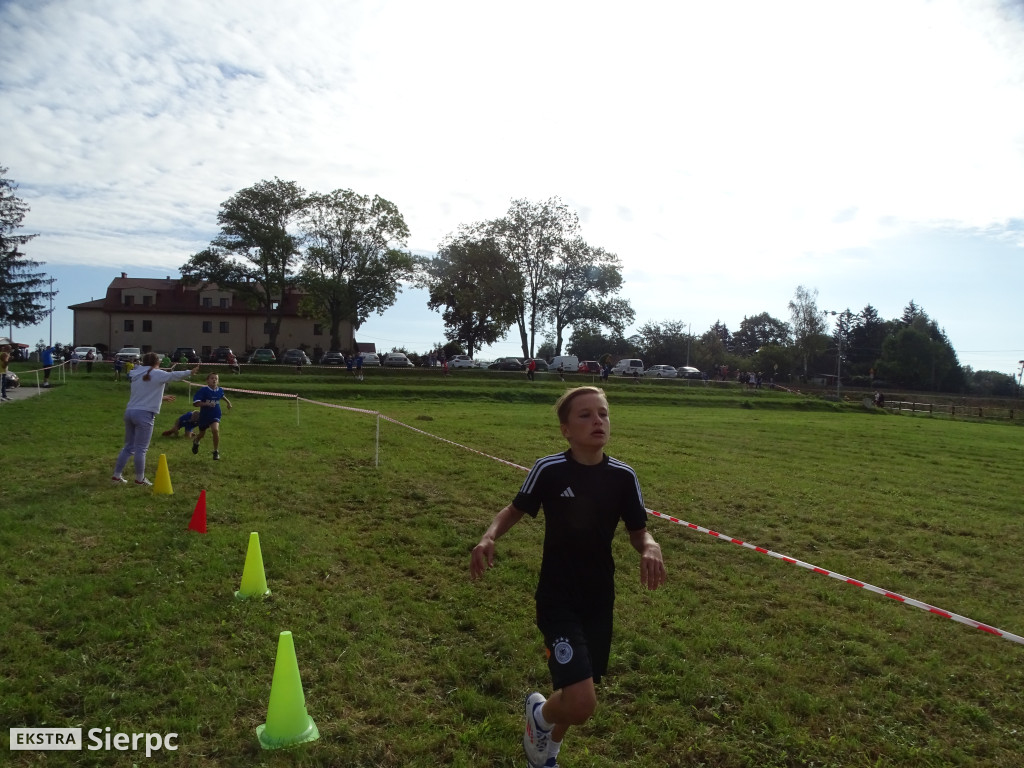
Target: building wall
(171,315)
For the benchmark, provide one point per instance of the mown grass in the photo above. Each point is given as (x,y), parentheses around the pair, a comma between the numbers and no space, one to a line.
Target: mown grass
(117,615)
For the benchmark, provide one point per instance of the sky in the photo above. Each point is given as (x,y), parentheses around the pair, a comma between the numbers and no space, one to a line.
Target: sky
(727,152)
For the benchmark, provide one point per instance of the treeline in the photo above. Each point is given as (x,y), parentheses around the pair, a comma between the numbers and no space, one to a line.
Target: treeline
(531,270)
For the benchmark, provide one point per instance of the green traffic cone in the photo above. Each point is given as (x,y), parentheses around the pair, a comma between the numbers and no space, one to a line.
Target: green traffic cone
(288,724)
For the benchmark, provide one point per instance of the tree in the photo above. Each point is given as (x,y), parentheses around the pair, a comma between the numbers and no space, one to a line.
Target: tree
(531,237)
(471,280)
(23,297)
(354,262)
(583,281)
(865,342)
(808,325)
(664,344)
(588,342)
(760,331)
(256,249)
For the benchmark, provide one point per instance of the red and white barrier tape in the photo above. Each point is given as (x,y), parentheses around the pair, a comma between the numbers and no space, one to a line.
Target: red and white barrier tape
(846,579)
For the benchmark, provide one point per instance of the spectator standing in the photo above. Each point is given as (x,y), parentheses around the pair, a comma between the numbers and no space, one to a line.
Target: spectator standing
(147,393)
(90,357)
(5,361)
(46,358)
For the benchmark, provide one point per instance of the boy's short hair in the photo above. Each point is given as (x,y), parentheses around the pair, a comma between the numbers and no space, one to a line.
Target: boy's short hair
(564,404)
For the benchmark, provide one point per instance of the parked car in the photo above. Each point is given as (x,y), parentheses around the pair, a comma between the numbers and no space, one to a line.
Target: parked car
(569,363)
(129,355)
(295,357)
(397,360)
(184,352)
(629,366)
(542,365)
(81,353)
(507,364)
(461,361)
(590,366)
(370,359)
(332,358)
(688,372)
(220,355)
(661,372)
(263,356)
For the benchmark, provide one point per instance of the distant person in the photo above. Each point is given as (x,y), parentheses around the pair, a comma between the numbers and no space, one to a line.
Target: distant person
(349,362)
(147,393)
(531,369)
(359,366)
(207,399)
(561,372)
(233,363)
(46,358)
(5,361)
(584,493)
(166,362)
(606,370)
(90,357)
(118,367)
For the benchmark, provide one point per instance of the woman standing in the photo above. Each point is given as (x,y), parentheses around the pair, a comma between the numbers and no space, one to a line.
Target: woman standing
(147,382)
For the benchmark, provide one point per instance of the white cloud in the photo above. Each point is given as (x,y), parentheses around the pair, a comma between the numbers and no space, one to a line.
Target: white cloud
(723,150)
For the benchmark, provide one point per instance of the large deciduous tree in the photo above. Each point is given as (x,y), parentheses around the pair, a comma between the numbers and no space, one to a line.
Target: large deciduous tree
(257,249)
(583,281)
(475,286)
(808,325)
(760,331)
(24,291)
(355,260)
(531,237)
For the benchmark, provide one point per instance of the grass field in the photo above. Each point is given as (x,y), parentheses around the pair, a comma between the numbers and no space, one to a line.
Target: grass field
(117,616)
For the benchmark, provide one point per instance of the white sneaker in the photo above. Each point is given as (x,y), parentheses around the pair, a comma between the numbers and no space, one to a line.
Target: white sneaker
(144,481)
(535,738)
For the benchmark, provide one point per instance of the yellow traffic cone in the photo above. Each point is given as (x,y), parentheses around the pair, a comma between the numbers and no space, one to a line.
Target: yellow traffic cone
(288,724)
(163,477)
(254,579)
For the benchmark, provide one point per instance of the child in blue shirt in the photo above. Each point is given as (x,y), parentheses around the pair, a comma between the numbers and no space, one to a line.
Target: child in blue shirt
(186,421)
(208,399)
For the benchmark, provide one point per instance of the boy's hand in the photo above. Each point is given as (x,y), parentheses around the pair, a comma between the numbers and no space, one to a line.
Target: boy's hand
(652,567)
(482,558)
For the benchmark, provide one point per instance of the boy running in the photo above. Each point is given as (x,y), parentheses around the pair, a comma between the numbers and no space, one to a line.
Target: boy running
(208,399)
(584,493)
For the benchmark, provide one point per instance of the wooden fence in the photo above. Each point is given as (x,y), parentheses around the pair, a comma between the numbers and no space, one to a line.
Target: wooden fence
(953,411)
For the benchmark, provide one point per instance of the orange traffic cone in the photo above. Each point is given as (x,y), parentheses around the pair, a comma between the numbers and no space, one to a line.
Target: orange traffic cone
(198,521)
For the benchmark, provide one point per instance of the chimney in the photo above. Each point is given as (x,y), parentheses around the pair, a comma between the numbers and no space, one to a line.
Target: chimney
(124,275)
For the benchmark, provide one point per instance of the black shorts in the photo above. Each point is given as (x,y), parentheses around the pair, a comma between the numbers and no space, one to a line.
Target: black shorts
(577,644)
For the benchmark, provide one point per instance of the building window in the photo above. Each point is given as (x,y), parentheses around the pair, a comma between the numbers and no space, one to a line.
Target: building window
(223,303)
(147,301)
(318,330)
(129,300)
(207,302)
(147,326)
(207,326)
(129,325)
(225,327)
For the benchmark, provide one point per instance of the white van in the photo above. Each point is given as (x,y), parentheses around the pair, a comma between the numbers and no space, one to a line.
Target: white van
(629,366)
(569,363)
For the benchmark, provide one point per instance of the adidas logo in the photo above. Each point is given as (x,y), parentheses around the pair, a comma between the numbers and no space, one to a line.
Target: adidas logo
(568,494)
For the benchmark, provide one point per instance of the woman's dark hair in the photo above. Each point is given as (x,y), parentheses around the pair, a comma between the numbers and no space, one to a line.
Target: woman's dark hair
(152,359)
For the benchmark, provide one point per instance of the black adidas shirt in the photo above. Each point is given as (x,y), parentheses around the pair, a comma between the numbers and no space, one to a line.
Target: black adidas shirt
(582,507)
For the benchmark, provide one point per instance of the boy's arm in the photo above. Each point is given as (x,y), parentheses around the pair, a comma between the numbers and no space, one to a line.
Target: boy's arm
(225,399)
(483,553)
(652,567)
